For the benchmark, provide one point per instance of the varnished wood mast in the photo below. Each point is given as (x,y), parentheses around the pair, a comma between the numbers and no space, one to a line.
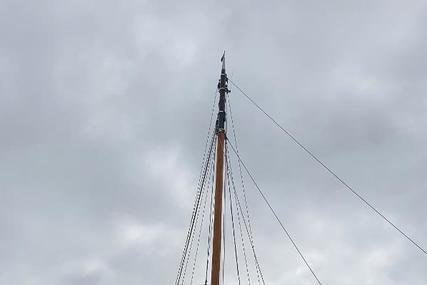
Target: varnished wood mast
(219,177)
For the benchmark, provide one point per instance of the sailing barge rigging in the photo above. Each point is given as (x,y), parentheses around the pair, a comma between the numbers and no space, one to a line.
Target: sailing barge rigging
(218,187)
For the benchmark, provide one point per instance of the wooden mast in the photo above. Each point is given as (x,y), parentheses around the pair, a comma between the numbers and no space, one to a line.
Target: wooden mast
(219,177)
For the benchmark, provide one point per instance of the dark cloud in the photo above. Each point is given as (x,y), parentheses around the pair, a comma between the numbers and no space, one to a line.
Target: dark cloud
(104,109)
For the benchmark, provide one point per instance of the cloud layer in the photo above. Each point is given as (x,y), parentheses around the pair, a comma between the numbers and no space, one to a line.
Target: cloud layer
(104,108)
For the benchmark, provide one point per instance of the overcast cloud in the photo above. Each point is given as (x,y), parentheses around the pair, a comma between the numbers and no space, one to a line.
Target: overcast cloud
(104,108)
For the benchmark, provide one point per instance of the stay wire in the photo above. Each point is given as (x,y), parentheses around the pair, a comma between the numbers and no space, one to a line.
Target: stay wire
(211,220)
(197,216)
(242,240)
(192,220)
(209,135)
(202,168)
(251,241)
(232,224)
(205,193)
(196,200)
(241,179)
(313,156)
(224,215)
(275,215)
(210,161)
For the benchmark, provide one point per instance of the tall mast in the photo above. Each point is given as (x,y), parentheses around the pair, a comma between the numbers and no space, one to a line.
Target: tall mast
(219,176)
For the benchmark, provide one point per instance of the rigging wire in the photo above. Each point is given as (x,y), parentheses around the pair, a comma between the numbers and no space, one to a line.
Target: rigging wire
(211,220)
(239,207)
(242,240)
(193,218)
(209,158)
(209,135)
(242,181)
(224,215)
(198,239)
(317,159)
(275,215)
(201,223)
(232,225)
(197,196)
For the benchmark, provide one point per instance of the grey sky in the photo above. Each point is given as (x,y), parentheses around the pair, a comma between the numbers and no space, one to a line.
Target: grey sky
(104,108)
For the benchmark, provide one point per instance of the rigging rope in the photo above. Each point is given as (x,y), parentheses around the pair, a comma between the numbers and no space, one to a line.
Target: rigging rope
(210,221)
(233,227)
(224,215)
(275,215)
(193,218)
(209,135)
(203,218)
(202,176)
(209,159)
(239,207)
(242,241)
(313,156)
(242,180)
